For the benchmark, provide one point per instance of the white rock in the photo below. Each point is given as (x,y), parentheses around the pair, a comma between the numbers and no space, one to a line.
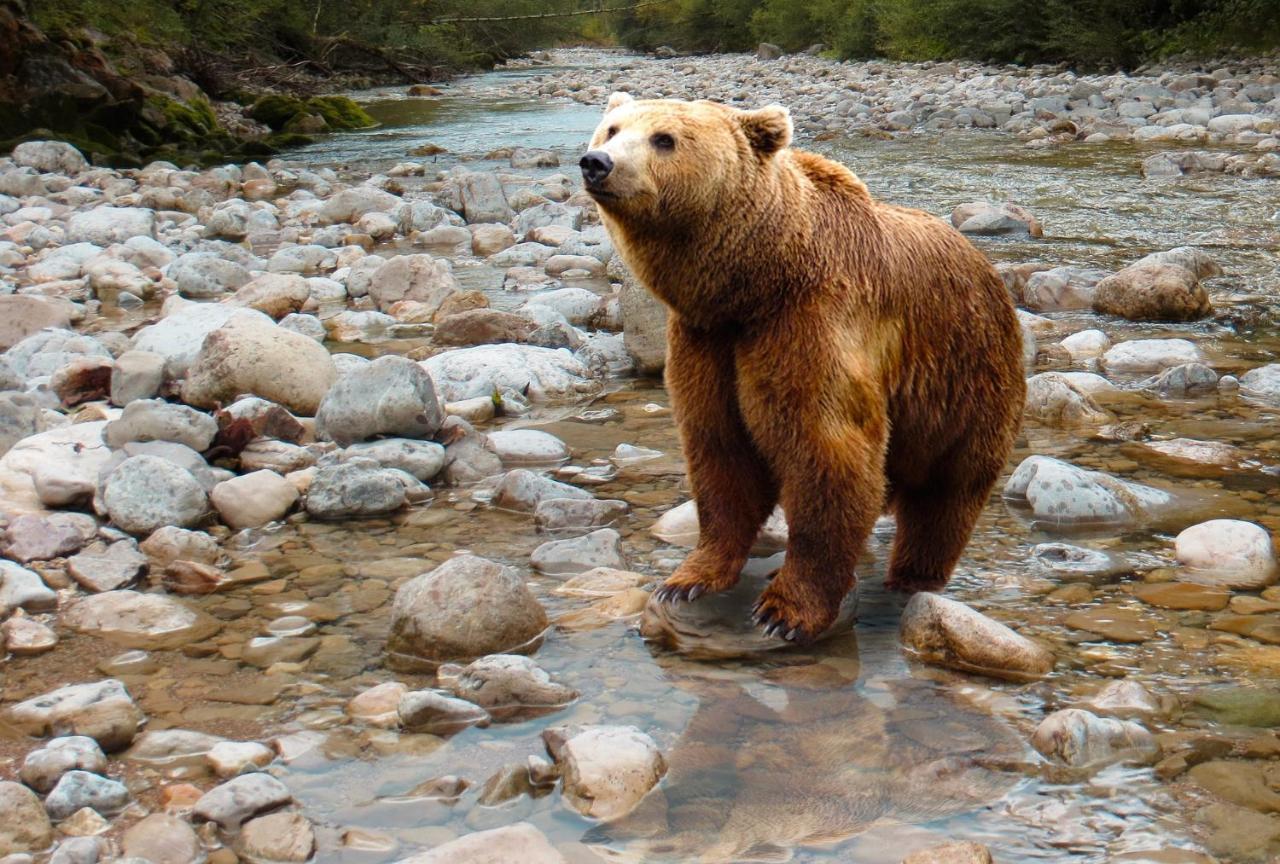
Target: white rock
(1262,383)
(179,335)
(103,226)
(1086,344)
(519,842)
(253,500)
(144,493)
(540,374)
(607,769)
(601,548)
(1150,355)
(528,447)
(102,710)
(1227,552)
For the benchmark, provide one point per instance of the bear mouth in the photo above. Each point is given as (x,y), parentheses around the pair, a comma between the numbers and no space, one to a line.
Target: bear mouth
(600,193)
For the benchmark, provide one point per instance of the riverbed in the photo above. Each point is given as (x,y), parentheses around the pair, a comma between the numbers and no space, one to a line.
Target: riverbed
(846,751)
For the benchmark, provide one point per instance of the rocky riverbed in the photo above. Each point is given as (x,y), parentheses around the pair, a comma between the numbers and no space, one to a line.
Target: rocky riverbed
(334,489)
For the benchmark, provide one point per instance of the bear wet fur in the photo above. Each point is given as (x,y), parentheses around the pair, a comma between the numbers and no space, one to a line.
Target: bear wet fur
(826,350)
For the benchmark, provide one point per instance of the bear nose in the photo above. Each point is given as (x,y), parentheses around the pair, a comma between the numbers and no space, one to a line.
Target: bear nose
(595,166)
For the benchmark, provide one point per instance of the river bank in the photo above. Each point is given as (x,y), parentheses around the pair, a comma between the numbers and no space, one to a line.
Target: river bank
(294,449)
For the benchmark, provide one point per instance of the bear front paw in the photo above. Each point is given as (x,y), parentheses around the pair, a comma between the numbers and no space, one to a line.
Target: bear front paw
(792,616)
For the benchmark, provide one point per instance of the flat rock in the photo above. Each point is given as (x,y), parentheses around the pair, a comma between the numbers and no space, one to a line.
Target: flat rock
(540,374)
(151,622)
(104,567)
(511,688)
(1183,595)
(1114,623)
(600,548)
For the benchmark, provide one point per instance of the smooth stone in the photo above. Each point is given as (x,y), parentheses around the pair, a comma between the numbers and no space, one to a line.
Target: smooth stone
(540,374)
(1053,399)
(600,548)
(1246,783)
(422,459)
(162,839)
(358,488)
(524,490)
(949,633)
(277,837)
(1152,292)
(23,637)
(144,493)
(151,622)
(606,769)
(1080,739)
(1067,561)
(102,710)
(467,607)
(21,588)
(32,537)
(1150,355)
(157,420)
(511,688)
(170,543)
(528,447)
(679,527)
(242,798)
(1127,700)
(1061,493)
(390,396)
(233,758)
(253,500)
(601,582)
(1228,553)
(554,514)
(438,713)
(1262,384)
(43,768)
(1239,705)
(78,789)
(377,705)
(171,750)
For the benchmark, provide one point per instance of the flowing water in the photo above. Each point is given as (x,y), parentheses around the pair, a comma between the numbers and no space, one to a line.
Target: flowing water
(844,752)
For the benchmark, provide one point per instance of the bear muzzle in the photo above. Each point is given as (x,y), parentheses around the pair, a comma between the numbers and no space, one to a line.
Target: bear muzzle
(596,167)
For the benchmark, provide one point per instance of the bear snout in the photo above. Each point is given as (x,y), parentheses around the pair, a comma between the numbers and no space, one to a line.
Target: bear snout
(596,165)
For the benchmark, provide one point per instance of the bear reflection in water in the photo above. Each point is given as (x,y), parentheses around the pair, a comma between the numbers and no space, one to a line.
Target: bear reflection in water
(799,753)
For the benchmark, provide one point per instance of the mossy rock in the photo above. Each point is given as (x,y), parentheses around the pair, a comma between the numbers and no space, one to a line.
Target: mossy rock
(285,140)
(340,112)
(276,109)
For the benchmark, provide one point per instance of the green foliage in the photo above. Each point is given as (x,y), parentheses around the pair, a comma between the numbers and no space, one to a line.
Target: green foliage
(1086,33)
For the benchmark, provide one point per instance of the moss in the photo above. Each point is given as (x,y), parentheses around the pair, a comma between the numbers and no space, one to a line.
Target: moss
(340,112)
(276,110)
(285,140)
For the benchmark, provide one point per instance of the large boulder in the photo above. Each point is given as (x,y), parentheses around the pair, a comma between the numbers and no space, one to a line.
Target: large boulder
(249,355)
(420,278)
(539,374)
(144,493)
(1152,292)
(390,396)
(465,608)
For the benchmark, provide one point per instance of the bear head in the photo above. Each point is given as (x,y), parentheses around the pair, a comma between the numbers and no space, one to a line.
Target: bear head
(668,164)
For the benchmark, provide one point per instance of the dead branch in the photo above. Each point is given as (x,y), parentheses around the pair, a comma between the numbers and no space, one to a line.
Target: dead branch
(549,14)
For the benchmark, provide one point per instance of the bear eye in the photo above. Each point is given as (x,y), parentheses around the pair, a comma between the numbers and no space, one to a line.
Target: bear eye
(613,130)
(663,141)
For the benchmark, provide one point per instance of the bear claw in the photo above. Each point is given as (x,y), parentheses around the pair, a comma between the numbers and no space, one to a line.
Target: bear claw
(678,593)
(776,627)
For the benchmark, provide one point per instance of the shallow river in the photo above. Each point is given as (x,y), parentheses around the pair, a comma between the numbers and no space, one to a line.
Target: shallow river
(849,751)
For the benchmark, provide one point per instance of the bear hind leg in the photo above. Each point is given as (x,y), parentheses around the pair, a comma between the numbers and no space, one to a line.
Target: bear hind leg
(934,524)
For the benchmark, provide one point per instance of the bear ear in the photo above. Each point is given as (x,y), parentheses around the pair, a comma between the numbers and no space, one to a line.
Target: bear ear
(619,99)
(768,128)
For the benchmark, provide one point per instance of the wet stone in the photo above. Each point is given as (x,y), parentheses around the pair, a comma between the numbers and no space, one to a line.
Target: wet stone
(277,837)
(377,705)
(173,751)
(601,582)
(241,798)
(511,688)
(1127,700)
(465,608)
(951,853)
(1228,553)
(1264,628)
(602,548)
(1248,784)
(948,633)
(1183,595)
(1238,705)
(519,842)
(150,622)
(38,538)
(438,713)
(606,769)
(1115,623)
(233,758)
(44,767)
(1081,739)
(554,514)
(264,651)
(78,850)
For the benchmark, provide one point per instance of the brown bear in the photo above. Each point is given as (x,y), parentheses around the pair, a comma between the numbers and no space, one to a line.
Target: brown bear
(827,350)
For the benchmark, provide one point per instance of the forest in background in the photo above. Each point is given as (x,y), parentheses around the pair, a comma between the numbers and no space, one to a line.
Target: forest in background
(424,35)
